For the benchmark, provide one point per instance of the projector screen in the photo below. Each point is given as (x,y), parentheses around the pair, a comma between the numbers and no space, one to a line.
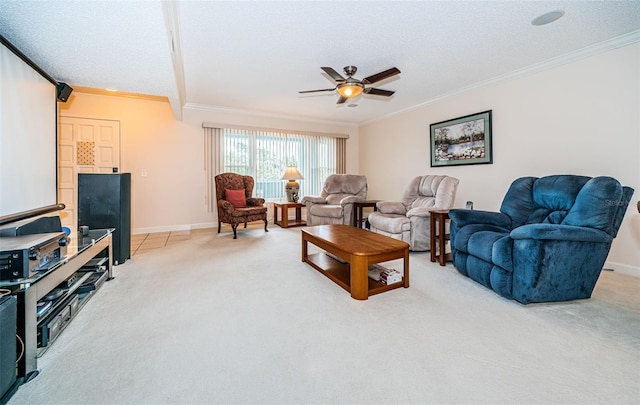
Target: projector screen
(28,137)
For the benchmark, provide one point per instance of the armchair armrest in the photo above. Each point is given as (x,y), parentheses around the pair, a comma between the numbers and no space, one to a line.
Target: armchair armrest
(422,212)
(225,206)
(313,199)
(391,207)
(255,201)
(560,232)
(463,217)
(350,200)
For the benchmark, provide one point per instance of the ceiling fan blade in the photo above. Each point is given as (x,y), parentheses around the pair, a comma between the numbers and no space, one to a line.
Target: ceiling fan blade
(341,100)
(315,91)
(381,76)
(334,75)
(379,92)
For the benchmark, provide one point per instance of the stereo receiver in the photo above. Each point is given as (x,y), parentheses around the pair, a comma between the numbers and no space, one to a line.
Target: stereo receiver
(23,256)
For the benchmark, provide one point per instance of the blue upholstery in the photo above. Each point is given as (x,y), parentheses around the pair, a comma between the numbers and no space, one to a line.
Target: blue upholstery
(548,242)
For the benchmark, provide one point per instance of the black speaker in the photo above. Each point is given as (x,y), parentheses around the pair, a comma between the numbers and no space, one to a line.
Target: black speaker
(64,91)
(8,319)
(104,201)
(31,226)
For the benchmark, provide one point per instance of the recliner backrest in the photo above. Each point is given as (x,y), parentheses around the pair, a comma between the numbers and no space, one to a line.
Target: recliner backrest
(553,198)
(338,186)
(597,205)
(430,191)
(566,199)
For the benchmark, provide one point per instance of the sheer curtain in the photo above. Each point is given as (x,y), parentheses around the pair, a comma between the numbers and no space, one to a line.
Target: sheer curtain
(265,153)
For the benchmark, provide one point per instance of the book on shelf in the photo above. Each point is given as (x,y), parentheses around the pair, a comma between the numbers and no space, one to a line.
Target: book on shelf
(374,271)
(390,276)
(383,274)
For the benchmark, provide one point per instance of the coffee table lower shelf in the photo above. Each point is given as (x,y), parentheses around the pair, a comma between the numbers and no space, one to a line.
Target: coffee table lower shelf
(340,274)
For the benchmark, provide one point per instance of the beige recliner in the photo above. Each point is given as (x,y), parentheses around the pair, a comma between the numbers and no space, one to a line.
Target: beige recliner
(408,220)
(334,205)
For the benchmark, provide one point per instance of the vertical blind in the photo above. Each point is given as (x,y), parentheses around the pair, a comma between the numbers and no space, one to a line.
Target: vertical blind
(264,155)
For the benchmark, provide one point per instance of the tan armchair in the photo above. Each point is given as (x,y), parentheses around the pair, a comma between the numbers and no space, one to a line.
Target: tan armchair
(408,220)
(235,204)
(334,205)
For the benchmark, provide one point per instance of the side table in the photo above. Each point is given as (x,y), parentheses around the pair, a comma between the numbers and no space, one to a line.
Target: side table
(358,207)
(439,237)
(284,214)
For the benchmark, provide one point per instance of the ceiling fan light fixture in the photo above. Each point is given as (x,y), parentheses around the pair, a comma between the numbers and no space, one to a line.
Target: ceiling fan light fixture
(350,90)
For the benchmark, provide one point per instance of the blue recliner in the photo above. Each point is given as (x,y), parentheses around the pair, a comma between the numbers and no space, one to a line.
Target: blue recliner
(548,242)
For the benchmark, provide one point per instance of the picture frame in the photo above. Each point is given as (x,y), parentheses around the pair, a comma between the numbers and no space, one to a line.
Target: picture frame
(462,141)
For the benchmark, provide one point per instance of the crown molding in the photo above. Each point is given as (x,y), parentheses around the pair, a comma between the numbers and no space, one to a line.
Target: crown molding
(117,93)
(601,47)
(262,114)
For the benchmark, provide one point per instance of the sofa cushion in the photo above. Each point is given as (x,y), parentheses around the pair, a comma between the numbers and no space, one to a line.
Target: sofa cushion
(462,239)
(322,210)
(481,244)
(391,223)
(250,213)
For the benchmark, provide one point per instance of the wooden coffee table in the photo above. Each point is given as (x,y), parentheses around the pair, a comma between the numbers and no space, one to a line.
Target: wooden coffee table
(358,249)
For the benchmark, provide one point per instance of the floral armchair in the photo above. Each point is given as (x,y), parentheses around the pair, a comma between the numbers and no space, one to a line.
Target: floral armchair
(235,204)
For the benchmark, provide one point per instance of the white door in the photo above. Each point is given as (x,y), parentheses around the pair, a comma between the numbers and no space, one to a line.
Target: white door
(84,146)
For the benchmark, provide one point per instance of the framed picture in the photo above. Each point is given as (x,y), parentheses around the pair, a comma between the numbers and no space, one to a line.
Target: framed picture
(462,141)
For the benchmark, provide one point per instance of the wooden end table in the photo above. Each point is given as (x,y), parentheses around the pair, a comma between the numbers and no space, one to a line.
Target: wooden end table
(439,237)
(358,206)
(284,214)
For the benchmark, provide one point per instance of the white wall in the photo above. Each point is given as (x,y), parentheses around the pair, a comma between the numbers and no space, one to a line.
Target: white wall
(582,118)
(579,118)
(172,194)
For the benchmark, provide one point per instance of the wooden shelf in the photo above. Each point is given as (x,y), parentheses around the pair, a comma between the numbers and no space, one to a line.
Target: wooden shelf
(290,223)
(339,273)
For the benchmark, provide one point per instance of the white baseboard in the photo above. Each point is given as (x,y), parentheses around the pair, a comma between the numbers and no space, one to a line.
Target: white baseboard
(623,268)
(173,228)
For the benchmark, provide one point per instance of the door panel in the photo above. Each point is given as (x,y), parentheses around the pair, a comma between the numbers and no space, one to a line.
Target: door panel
(84,146)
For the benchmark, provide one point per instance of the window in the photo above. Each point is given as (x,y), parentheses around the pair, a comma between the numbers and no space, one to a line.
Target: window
(264,155)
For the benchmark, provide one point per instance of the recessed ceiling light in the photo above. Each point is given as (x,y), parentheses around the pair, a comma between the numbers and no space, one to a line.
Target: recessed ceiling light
(352,105)
(547,18)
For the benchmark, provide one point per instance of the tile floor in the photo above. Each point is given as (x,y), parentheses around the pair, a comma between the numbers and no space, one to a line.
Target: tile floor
(144,242)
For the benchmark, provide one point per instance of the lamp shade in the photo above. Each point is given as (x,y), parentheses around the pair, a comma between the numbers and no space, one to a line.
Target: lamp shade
(291,173)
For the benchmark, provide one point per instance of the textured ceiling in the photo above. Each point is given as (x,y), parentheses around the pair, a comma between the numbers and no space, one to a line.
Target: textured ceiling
(255,56)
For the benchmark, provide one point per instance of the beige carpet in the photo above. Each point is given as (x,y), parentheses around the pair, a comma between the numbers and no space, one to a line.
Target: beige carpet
(212,320)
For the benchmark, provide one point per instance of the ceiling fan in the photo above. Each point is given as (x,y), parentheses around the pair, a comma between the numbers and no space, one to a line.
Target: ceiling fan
(351,87)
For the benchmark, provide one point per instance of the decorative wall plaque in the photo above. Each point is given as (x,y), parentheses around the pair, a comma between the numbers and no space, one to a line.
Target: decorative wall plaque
(86,153)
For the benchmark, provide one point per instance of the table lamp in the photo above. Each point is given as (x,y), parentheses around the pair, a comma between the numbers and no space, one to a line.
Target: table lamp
(292,188)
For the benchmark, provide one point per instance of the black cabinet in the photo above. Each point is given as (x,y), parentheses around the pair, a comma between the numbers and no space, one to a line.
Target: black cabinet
(8,317)
(104,201)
